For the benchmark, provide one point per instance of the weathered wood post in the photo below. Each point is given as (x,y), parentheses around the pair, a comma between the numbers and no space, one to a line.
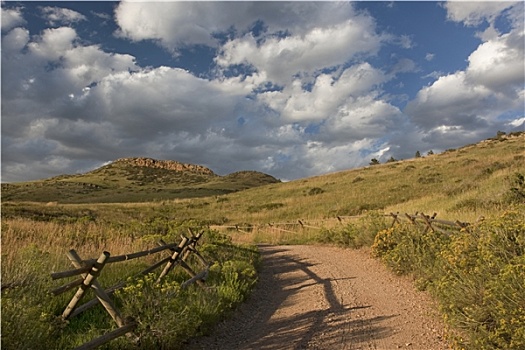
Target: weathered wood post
(396,220)
(427,222)
(93,344)
(89,279)
(173,259)
(99,292)
(192,248)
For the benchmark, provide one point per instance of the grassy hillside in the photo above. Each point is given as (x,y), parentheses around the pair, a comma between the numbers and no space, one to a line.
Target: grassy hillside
(134,180)
(464,183)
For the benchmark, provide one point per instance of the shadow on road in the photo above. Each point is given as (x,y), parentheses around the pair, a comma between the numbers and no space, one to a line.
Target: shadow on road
(270,320)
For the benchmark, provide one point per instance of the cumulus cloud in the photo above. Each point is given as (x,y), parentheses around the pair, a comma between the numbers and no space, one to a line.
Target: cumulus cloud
(468,104)
(45,84)
(474,13)
(327,96)
(282,58)
(176,24)
(61,16)
(498,63)
(11,18)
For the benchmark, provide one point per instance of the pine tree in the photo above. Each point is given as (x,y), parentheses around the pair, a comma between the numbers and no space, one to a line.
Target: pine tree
(391,160)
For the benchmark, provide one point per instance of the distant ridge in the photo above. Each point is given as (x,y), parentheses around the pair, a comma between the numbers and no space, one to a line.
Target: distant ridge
(165,164)
(135,179)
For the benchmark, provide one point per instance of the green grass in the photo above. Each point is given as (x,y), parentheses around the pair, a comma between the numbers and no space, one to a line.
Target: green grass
(167,315)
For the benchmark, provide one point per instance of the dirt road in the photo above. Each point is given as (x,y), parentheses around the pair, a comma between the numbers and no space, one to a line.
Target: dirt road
(311,297)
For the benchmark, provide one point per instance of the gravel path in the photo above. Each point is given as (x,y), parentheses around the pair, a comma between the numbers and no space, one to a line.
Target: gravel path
(316,297)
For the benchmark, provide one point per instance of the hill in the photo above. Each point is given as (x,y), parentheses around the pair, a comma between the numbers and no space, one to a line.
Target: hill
(134,180)
(464,183)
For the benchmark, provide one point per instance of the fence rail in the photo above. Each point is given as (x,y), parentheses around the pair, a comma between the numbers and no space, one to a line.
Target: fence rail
(428,221)
(90,269)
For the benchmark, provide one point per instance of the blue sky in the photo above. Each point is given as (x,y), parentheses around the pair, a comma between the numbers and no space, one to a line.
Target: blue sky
(292,89)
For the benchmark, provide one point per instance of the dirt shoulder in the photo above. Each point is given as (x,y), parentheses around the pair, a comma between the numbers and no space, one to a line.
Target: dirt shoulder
(315,297)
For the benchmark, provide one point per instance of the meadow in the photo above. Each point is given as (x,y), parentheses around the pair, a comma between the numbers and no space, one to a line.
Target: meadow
(477,274)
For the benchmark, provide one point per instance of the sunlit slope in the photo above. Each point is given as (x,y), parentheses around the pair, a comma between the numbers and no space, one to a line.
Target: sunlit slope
(464,183)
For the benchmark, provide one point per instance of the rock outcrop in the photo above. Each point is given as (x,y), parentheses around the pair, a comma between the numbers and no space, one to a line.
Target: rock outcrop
(166,164)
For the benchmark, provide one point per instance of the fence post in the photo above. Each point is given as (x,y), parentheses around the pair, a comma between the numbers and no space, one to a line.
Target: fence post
(173,259)
(411,218)
(396,220)
(427,219)
(101,294)
(89,279)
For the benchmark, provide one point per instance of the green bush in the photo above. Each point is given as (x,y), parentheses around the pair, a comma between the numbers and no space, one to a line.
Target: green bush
(477,275)
(356,234)
(516,192)
(314,191)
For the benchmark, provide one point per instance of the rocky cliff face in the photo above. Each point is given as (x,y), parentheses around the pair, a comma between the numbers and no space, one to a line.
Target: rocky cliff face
(166,164)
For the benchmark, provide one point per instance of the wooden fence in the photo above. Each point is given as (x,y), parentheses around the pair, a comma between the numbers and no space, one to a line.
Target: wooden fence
(428,222)
(90,269)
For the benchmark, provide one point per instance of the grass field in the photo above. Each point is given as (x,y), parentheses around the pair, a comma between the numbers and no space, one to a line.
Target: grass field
(475,268)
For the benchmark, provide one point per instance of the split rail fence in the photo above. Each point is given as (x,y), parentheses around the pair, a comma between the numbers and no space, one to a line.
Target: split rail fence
(90,269)
(427,222)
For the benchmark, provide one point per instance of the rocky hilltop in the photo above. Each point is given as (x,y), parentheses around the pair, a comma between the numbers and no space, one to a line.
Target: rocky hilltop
(137,179)
(165,164)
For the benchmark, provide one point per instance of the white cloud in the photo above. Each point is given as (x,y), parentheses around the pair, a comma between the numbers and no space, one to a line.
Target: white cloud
(498,64)
(467,105)
(11,18)
(327,95)
(282,58)
(15,40)
(364,118)
(473,13)
(450,100)
(429,56)
(176,24)
(59,15)
(433,75)
(405,41)
(519,122)
(53,43)
(404,65)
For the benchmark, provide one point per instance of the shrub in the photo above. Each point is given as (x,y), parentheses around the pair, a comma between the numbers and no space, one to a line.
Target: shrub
(357,179)
(477,275)
(315,190)
(516,192)
(355,234)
